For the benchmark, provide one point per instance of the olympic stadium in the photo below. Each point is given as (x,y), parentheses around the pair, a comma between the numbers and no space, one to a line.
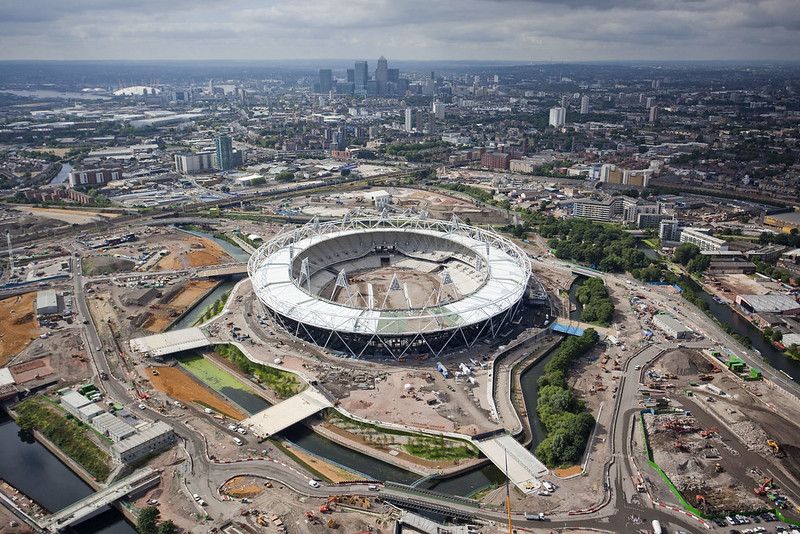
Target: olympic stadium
(391,286)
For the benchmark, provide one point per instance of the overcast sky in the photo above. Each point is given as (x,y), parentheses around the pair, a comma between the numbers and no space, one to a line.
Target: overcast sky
(518,30)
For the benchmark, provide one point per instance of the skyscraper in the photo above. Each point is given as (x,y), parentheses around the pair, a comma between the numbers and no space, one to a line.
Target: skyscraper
(585,104)
(361,76)
(382,75)
(654,114)
(224,153)
(409,119)
(325,80)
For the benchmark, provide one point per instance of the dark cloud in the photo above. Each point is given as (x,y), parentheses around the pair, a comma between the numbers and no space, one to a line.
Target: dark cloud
(407,29)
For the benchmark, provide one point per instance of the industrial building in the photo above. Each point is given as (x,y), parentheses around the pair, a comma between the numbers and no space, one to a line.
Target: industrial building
(46,302)
(115,428)
(149,440)
(781,304)
(671,326)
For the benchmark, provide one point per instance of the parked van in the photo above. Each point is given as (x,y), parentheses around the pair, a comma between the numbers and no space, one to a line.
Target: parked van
(238,441)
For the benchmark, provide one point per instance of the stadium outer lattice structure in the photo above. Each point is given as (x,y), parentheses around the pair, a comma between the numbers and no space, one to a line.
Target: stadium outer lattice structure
(284,269)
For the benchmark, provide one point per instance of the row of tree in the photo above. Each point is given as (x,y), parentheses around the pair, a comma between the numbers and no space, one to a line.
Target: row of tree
(562,414)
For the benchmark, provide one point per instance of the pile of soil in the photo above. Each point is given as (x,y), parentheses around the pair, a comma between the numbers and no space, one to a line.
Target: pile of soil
(684,363)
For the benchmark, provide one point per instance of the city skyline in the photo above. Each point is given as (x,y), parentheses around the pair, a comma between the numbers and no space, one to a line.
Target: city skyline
(536,30)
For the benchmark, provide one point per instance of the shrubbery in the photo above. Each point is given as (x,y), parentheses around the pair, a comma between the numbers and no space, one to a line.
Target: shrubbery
(283,383)
(560,411)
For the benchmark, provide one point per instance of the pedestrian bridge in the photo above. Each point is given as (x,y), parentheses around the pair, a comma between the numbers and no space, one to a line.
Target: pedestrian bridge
(523,469)
(75,512)
(222,270)
(286,413)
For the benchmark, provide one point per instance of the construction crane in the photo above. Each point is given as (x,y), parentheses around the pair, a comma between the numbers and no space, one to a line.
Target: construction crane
(763,489)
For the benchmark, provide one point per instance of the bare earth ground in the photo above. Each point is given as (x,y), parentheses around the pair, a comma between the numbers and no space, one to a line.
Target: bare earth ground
(162,317)
(420,286)
(177,384)
(191,251)
(19,325)
(741,284)
(32,370)
(71,216)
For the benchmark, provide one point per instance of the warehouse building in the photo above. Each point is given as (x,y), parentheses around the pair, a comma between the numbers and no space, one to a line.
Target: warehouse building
(46,302)
(151,439)
(781,304)
(670,326)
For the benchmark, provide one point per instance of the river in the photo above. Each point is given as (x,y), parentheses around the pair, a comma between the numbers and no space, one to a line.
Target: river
(63,174)
(36,472)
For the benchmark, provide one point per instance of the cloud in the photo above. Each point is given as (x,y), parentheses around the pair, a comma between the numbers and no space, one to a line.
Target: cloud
(575,30)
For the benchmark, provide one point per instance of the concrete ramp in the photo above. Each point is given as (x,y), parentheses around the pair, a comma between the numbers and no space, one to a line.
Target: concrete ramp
(286,413)
(524,469)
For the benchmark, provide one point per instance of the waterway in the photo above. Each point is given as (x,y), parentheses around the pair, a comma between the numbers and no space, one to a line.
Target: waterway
(49,93)
(197,311)
(63,174)
(36,472)
(724,314)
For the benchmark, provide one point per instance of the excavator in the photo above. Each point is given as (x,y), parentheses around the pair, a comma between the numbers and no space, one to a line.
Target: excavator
(763,489)
(700,500)
(325,508)
(778,452)
(707,433)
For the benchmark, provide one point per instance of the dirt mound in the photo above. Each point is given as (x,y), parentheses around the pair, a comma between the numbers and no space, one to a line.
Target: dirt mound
(23,319)
(683,363)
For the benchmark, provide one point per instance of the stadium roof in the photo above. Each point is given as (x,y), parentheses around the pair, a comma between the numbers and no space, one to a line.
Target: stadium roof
(504,287)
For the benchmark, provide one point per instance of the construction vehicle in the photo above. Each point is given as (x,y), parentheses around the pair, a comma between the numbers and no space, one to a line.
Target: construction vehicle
(700,500)
(331,523)
(774,445)
(707,378)
(707,433)
(763,489)
(718,468)
(326,508)
(310,516)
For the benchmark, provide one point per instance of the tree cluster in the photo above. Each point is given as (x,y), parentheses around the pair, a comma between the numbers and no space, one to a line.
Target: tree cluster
(605,247)
(688,255)
(597,306)
(560,411)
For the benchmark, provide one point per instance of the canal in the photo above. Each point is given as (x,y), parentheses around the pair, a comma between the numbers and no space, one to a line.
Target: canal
(36,472)
(198,309)
(63,174)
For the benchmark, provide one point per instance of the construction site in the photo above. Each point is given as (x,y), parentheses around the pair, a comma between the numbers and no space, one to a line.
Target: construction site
(714,435)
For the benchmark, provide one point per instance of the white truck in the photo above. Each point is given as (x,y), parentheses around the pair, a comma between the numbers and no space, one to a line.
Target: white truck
(531,516)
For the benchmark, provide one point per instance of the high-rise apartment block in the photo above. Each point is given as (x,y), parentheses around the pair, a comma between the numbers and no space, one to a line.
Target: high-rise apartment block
(584,104)
(558,116)
(409,119)
(224,153)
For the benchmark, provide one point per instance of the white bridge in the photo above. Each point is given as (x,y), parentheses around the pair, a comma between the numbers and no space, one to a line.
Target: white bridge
(286,413)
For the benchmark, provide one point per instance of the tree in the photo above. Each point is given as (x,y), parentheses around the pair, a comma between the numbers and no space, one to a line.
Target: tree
(698,264)
(285,176)
(685,253)
(345,172)
(146,524)
(167,527)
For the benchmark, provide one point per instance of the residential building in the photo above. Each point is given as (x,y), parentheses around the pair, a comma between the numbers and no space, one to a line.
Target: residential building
(224,153)
(91,177)
(194,162)
(558,116)
(409,119)
(584,104)
(702,238)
